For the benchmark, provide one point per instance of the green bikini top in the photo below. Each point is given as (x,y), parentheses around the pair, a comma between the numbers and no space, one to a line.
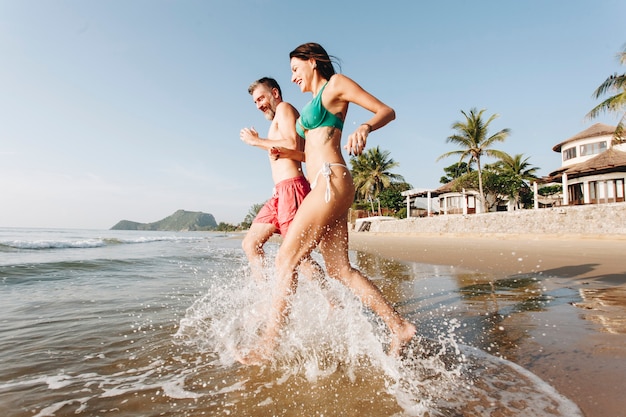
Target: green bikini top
(315,115)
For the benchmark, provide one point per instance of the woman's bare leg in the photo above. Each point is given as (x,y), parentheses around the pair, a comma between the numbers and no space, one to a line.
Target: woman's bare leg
(334,248)
(312,271)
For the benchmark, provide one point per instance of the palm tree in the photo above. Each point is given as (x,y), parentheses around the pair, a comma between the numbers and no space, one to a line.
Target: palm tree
(371,172)
(616,103)
(518,172)
(473,138)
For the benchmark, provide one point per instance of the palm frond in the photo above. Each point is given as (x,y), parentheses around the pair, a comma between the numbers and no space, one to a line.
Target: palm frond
(613,83)
(462,153)
(494,153)
(613,104)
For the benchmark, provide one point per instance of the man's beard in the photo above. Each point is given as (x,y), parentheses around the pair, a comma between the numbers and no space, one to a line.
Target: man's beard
(271,112)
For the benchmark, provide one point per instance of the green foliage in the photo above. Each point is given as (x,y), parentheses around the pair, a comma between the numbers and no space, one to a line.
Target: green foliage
(360,205)
(526,198)
(516,174)
(392,198)
(371,173)
(549,190)
(226,227)
(252,212)
(500,186)
(454,171)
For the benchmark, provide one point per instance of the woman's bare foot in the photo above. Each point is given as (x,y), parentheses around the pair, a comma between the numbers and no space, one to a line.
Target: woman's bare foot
(260,355)
(254,357)
(401,338)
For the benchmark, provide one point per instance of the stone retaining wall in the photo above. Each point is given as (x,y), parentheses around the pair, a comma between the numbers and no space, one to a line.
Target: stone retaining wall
(601,220)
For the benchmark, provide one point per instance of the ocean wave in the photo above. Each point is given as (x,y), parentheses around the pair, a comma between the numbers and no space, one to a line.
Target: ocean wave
(9,245)
(52,244)
(151,239)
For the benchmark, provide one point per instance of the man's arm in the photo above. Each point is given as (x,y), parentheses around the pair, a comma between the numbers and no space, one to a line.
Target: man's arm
(286,116)
(286,137)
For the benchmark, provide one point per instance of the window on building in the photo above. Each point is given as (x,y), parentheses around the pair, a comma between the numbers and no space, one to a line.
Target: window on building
(576,195)
(609,191)
(454,202)
(453,205)
(592,148)
(569,153)
(594,192)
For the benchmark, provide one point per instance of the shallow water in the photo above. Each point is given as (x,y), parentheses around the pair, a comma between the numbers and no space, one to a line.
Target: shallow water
(150,323)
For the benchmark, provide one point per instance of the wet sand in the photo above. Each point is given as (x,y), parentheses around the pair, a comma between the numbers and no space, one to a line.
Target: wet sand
(584,358)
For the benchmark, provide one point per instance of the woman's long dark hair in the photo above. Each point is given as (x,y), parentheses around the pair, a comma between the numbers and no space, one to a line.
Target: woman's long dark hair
(323,61)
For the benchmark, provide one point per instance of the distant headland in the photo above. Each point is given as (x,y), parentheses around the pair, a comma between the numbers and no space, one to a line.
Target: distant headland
(180,221)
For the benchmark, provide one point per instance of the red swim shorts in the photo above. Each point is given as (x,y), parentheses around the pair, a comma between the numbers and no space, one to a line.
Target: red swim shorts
(281,208)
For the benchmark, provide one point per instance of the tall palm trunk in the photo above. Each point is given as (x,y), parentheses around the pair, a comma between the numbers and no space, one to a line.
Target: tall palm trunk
(483,200)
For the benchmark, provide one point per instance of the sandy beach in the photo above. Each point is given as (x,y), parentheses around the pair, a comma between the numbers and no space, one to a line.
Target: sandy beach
(584,357)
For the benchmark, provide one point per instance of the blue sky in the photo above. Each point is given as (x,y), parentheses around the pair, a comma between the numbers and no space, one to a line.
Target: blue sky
(125,109)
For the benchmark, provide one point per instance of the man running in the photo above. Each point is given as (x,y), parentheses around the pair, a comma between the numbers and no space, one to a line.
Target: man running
(290,184)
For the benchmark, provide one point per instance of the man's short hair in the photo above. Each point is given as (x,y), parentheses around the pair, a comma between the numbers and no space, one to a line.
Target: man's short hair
(268,82)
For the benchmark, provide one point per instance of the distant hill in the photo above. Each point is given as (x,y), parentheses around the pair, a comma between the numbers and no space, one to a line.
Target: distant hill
(181,221)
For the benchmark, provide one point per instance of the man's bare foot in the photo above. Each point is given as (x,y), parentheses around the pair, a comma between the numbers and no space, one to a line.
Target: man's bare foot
(401,338)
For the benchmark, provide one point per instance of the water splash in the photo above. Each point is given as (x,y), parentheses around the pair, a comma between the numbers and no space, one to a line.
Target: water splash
(336,350)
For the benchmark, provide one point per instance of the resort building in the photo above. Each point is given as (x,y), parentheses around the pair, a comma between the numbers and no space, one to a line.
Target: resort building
(443,200)
(593,169)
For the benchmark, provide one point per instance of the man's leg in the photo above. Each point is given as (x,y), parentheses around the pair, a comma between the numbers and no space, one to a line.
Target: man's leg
(252,244)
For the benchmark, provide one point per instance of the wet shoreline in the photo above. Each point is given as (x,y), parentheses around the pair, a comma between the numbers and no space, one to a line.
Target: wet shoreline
(577,341)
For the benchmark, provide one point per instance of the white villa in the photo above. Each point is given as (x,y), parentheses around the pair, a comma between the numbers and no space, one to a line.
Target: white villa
(593,168)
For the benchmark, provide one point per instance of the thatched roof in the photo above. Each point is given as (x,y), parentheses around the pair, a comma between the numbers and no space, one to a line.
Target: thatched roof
(450,187)
(608,161)
(445,188)
(599,129)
